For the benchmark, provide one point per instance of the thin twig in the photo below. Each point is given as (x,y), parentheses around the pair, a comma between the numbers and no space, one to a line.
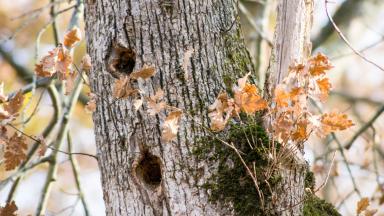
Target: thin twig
(346,40)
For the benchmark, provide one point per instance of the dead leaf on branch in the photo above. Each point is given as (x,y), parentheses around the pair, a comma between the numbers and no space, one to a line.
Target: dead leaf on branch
(332,122)
(171,126)
(362,205)
(9,209)
(14,105)
(324,87)
(86,64)
(319,64)
(14,153)
(72,37)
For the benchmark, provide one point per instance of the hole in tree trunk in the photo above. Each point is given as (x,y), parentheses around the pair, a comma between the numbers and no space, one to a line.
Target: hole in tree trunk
(149,170)
(121,61)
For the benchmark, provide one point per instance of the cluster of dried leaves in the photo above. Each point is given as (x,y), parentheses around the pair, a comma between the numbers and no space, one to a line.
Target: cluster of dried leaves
(59,61)
(15,145)
(155,104)
(291,119)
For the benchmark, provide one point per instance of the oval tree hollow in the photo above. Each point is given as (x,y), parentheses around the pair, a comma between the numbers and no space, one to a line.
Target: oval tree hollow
(149,170)
(122,60)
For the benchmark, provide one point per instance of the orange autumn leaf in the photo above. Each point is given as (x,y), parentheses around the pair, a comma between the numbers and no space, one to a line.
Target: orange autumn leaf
(71,37)
(281,97)
(14,153)
(362,205)
(63,63)
(171,126)
(9,209)
(145,73)
(249,99)
(319,64)
(331,122)
(324,87)
(300,134)
(221,111)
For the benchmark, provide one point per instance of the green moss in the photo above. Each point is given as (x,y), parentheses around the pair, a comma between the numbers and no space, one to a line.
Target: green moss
(314,206)
(231,183)
(309,181)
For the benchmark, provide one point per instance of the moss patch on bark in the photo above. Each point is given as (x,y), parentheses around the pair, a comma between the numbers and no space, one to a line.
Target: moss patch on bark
(232,184)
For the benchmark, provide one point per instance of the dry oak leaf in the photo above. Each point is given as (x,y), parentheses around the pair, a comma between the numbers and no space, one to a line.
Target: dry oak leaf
(86,64)
(362,205)
(331,122)
(145,73)
(281,97)
(300,134)
(319,64)
(71,37)
(91,104)
(249,100)
(9,209)
(14,104)
(155,106)
(47,68)
(5,115)
(123,89)
(14,152)
(222,106)
(282,127)
(171,126)
(63,63)
(324,87)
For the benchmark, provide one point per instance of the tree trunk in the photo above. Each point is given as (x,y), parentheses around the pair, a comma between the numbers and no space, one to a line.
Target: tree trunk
(141,174)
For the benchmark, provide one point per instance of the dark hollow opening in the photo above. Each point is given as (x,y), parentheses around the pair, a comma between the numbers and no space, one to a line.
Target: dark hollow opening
(149,170)
(122,60)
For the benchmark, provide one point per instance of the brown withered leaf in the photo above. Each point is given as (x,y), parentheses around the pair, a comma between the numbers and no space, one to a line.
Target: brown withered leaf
(145,73)
(282,127)
(171,126)
(9,209)
(47,65)
(324,87)
(331,122)
(14,104)
(91,104)
(123,89)
(86,64)
(71,37)
(362,205)
(155,105)
(319,64)
(14,152)
(63,63)
(3,135)
(221,111)
(3,97)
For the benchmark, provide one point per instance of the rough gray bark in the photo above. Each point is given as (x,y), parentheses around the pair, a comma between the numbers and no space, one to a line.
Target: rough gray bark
(159,32)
